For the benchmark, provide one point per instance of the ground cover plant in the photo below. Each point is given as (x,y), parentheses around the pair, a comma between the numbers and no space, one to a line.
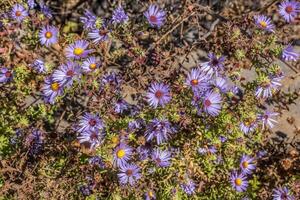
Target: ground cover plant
(101,100)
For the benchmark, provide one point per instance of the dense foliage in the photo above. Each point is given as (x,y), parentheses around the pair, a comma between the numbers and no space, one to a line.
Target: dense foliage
(107,108)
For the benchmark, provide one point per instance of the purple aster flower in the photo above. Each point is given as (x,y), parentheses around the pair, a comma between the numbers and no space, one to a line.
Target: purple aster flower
(247,164)
(267,120)
(97,161)
(99,35)
(51,90)
(35,142)
(239,181)
(85,190)
(289,10)
(159,129)
(88,20)
(136,124)
(18,12)
(158,94)
(161,158)
(78,50)
(282,193)
(261,153)
(221,84)
(129,173)
(90,122)
(267,86)
(122,155)
(223,138)
(248,125)
(215,64)
(90,64)
(188,187)
(289,54)
(6,75)
(155,16)
(112,79)
(48,35)
(212,103)
(39,66)
(197,80)
(150,195)
(211,149)
(119,16)
(31,4)
(67,73)
(93,137)
(143,152)
(120,106)
(264,23)
(45,10)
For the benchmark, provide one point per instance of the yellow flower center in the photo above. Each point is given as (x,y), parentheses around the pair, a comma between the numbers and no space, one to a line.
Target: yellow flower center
(115,139)
(78,51)
(93,66)
(194,82)
(245,164)
(48,35)
(150,194)
(238,181)
(263,24)
(121,153)
(55,86)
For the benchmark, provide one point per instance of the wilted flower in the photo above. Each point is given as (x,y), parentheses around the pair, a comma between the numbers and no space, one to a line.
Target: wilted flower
(99,35)
(6,75)
(85,190)
(119,16)
(48,35)
(150,195)
(212,103)
(155,16)
(211,149)
(158,94)
(215,65)
(88,20)
(35,142)
(122,155)
(289,54)
(45,10)
(267,120)
(129,173)
(161,158)
(143,152)
(18,12)
(188,186)
(248,125)
(39,66)
(239,181)
(121,105)
(97,161)
(289,10)
(267,86)
(51,90)
(264,23)
(159,129)
(78,50)
(197,80)
(31,4)
(92,137)
(112,79)
(67,73)
(90,64)
(282,193)
(247,165)
(90,122)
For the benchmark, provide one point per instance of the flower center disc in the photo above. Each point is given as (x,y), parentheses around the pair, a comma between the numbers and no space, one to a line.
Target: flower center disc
(78,51)
(153,18)
(207,103)
(55,86)
(238,181)
(18,13)
(194,82)
(245,164)
(158,94)
(48,35)
(92,122)
(7,74)
(289,9)
(263,24)
(94,136)
(129,172)
(70,73)
(120,153)
(93,66)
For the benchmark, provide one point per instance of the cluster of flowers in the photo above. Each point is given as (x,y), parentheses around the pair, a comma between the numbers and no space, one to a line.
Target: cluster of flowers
(208,83)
